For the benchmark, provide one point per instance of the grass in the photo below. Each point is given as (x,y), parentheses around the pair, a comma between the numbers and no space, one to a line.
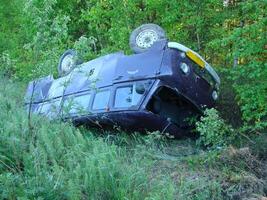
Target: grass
(54,160)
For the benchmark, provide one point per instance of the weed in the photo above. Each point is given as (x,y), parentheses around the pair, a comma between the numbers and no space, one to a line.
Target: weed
(214,132)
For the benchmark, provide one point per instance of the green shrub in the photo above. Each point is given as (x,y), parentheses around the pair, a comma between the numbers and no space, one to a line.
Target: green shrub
(214,132)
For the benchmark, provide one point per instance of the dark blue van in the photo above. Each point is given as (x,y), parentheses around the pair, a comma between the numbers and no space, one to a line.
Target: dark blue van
(159,88)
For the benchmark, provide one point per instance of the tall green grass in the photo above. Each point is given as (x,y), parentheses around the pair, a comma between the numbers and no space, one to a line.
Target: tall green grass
(54,160)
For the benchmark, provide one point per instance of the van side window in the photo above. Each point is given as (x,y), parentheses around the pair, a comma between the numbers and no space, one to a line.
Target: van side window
(77,104)
(101,100)
(126,97)
(49,108)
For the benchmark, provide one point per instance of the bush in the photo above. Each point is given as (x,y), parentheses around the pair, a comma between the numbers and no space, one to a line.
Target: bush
(214,132)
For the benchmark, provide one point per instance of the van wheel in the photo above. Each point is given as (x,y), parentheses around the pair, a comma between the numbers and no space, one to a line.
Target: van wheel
(143,37)
(67,62)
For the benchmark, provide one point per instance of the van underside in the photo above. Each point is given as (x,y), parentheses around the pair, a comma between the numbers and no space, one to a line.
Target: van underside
(167,103)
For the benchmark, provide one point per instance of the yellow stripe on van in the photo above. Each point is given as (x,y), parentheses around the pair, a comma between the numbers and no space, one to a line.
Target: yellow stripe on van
(195,58)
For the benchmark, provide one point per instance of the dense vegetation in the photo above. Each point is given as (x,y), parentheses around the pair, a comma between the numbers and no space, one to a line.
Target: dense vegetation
(54,160)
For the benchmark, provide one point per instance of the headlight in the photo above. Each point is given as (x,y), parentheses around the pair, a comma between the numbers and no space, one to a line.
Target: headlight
(215,95)
(185,68)
(182,55)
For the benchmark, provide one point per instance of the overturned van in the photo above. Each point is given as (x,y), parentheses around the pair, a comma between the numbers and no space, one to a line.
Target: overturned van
(160,87)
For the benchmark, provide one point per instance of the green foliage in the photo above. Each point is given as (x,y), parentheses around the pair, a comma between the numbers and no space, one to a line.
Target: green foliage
(52,26)
(85,47)
(7,65)
(12,36)
(214,132)
(12,32)
(49,160)
(49,39)
(52,160)
(250,75)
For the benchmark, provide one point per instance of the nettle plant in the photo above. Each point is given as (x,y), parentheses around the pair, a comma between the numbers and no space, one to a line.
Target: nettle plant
(213,130)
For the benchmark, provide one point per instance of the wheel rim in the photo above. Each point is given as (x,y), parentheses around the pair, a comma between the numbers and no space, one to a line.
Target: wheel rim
(67,63)
(146,38)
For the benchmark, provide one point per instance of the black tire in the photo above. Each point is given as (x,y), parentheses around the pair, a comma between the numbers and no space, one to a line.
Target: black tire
(76,61)
(151,33)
